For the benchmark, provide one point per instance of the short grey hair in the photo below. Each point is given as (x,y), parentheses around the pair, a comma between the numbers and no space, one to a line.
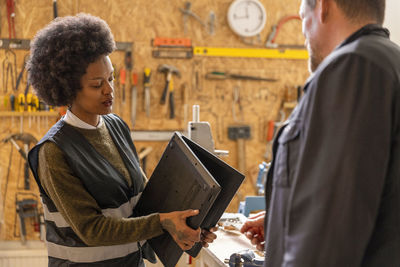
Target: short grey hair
(360,9)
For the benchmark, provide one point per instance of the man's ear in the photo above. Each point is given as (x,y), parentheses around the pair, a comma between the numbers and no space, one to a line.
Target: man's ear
(323,9)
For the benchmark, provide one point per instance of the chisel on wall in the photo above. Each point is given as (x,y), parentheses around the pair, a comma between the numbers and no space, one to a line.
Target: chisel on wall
(134,98)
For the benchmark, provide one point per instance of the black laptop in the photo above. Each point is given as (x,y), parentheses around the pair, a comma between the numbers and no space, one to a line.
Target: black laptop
(187,177)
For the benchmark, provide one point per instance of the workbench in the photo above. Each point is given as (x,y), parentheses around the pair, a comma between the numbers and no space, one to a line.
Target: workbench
(227,243)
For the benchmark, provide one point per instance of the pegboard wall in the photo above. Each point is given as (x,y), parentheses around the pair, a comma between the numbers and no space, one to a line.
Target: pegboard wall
(222,103)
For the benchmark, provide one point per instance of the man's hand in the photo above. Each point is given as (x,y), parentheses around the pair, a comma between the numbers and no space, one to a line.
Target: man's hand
(253,229)
(208,236)
(175,224)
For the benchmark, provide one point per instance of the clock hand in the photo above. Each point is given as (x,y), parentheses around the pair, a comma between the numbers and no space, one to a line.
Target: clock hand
(240,17)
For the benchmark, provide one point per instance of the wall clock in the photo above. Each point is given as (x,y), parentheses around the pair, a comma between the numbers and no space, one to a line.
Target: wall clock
(247,18)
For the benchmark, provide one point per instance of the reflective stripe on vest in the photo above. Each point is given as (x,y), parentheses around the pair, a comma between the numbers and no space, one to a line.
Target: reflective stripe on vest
(91,254)
(123,211)
(55,217)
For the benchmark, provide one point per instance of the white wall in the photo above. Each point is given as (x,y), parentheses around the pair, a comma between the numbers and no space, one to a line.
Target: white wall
(392,19)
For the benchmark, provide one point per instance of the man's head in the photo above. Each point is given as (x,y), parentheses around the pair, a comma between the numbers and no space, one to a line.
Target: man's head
(325,22)
(360,9)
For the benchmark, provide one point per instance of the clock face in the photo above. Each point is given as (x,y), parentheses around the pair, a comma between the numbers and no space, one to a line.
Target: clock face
(247,17)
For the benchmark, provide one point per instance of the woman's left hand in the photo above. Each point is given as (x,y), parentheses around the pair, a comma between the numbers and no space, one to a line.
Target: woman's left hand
(208,236)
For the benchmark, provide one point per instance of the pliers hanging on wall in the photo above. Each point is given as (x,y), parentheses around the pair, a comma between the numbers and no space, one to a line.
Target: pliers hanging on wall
(9,70)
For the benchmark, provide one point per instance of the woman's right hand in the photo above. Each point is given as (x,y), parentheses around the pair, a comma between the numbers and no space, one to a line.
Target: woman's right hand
(175,224)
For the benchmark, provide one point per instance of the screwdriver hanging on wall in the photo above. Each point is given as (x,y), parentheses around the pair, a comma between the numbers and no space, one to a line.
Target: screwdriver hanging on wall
(12,106)
(21,102)
(11,18)
(211,22)
(21,109)
(122,80)
(171,100)
(55,10)
(134,97)
(146,85)
(29,99)
(220,75)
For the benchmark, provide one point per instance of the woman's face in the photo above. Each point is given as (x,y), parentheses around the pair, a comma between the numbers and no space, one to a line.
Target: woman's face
(96,96)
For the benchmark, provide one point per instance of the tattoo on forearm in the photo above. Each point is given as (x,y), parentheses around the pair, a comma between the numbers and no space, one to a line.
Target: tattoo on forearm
(171,228)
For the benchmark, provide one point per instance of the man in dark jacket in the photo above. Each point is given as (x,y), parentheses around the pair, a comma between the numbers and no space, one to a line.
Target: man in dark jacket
(333,189)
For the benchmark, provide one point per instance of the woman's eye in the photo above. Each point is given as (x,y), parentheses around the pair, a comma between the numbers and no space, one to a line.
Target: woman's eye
(97,86)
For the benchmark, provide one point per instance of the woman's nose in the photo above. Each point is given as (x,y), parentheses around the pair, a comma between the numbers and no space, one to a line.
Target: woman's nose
(109,87)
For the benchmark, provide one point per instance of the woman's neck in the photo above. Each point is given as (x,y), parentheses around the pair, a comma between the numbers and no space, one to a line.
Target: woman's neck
(92,119)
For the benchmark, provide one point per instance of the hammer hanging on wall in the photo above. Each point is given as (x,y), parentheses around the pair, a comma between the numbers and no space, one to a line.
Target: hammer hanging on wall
(240,133)
(27,140)
(169,70)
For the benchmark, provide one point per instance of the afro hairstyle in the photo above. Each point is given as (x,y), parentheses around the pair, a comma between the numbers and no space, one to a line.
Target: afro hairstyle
(61,52)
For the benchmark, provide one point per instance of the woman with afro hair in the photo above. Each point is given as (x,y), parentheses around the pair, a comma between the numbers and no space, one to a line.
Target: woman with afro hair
(86,165)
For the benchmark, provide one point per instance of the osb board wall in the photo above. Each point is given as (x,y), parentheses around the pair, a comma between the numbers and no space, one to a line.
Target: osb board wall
(12,163)
(139,22)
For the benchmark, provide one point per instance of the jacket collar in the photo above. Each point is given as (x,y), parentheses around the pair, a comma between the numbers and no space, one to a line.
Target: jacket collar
(369,29)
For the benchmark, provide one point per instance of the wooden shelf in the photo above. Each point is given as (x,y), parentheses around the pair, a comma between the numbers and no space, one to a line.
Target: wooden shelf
(27,114)
(24,44)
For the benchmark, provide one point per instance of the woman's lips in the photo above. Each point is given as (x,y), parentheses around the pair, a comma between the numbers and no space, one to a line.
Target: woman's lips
(108,102)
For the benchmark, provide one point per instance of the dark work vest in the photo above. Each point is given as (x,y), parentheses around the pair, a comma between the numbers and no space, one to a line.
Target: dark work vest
(104,183)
